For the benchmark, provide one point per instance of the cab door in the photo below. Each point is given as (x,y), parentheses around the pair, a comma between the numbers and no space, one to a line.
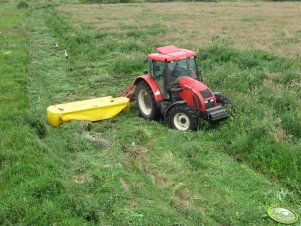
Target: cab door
(158,72)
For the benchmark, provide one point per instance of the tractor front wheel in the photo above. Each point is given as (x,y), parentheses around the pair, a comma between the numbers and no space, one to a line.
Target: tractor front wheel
(183,117)
(145,100)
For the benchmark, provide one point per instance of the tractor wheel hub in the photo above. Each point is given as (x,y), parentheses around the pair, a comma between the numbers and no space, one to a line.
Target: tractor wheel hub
(181,121)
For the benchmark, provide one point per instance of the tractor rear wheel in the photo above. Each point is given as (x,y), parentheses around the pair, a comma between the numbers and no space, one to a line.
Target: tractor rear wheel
(145,100)
(183,117)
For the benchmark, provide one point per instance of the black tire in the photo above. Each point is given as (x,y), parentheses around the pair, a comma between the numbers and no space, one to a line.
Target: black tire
(145,100)
(183,117)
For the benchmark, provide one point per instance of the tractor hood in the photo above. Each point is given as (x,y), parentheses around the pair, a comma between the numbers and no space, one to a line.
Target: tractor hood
(196,94)
(193,83)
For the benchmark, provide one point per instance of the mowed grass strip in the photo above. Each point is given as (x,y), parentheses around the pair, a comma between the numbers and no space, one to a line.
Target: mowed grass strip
(269,26)
(31,187)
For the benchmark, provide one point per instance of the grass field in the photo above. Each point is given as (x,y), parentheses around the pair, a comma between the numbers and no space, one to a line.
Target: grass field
(128,171)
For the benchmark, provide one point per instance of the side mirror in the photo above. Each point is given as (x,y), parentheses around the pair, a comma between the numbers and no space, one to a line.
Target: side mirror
(145,60)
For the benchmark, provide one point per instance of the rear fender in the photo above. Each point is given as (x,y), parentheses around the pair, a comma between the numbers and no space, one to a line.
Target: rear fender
(153,85)
(173,104)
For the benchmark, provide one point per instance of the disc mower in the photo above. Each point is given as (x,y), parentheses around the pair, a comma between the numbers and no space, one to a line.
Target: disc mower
(173,88)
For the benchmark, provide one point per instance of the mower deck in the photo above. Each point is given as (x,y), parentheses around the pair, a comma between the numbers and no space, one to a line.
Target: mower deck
(90,110)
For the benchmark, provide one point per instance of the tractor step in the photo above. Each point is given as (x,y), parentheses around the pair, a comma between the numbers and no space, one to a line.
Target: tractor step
(216,113)
(164,106)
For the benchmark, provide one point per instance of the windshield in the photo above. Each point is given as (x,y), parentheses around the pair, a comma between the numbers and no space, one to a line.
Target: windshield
(185,67)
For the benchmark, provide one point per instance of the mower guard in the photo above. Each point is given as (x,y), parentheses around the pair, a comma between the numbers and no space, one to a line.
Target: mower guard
(90,110)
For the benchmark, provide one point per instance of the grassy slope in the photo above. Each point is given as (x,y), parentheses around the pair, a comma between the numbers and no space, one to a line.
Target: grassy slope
(58,175)
(265,86)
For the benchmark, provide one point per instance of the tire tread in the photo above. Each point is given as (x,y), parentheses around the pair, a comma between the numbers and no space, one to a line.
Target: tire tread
(155,111)
(193,115)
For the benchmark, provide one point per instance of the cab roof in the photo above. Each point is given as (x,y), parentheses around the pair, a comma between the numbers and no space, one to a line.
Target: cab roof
(170,53)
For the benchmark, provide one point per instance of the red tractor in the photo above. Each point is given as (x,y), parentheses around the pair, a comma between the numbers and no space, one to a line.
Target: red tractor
(173,89)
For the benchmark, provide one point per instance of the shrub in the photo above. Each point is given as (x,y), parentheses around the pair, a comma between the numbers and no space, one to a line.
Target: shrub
(22,5)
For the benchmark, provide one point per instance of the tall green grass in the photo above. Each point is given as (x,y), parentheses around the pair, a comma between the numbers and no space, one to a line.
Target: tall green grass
(148,174)
(265,130)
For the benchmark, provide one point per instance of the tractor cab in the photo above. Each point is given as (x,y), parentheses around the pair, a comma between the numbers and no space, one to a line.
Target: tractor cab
(169,65)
